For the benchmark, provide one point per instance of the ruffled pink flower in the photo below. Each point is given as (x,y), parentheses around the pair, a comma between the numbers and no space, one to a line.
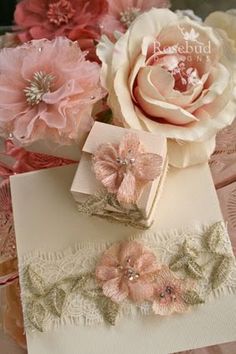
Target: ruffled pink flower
(122,13)
(126,168)
(168,293)
(75,19)
(126,270)
(47,90)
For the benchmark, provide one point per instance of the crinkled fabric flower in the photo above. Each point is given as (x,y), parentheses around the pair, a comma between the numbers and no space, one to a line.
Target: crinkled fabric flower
(168,293)
(126,168)
(126,270)
(122,13)
(75,19)
(47,90)
(170,75)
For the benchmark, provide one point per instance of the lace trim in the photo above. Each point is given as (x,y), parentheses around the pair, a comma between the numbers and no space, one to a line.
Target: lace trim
(59,288)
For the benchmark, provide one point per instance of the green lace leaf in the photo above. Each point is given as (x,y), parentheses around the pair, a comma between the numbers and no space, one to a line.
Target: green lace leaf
(190,251)
(35,282)
(178,262)
(94,204)
(193,269)
(36,314)
(213,236)
(221,271)
(109,309)
(191,297)
(56,300)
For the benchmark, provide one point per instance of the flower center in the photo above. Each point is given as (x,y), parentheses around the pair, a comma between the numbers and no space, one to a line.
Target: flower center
(129,15)
(129,272)
(38,86)
(60,12)
(125,162)
(168,294)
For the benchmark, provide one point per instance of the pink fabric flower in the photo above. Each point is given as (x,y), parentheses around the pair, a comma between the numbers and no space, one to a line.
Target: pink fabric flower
(122,13)
(168,292)
(75,19)
(126,168)
(126,270)
(47,90)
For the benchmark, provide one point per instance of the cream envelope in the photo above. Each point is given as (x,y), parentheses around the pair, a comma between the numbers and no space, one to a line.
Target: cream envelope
(46,219)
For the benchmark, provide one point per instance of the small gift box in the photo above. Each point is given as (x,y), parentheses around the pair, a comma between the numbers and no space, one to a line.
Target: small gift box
(120,174)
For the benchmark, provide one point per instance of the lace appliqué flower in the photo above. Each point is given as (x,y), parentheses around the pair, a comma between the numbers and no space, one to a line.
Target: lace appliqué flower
(126,270)
(124,169)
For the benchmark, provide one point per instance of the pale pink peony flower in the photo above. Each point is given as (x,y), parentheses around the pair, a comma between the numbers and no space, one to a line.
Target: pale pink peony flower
(126,270)
(126,168)
(122,13)
(47,90)
(168,293)
(75,19)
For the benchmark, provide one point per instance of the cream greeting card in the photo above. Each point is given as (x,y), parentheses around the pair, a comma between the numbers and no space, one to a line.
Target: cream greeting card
(53,238)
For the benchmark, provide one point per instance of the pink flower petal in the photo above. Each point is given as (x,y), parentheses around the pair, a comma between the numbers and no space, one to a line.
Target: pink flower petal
(105,273)
(130,144)
(127,193)
(107,152)
(130,250)
(106,173)
(146,263)
(140,291)
(148,166)
(110,257)
(115,289)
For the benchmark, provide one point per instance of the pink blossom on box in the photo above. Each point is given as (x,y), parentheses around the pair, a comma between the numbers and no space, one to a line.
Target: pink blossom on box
(126,270)
(47,90)
(75,19)
(125,168)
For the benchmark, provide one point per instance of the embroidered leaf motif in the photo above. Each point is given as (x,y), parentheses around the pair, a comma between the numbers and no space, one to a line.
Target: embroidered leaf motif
(178,262)
(35,282)
(97,205)
(56,300)
(81,281)
(189,250)
(221,271)
(191,297)
(193,269)
(36,314)
(109,309)
(93,204)
(213,236)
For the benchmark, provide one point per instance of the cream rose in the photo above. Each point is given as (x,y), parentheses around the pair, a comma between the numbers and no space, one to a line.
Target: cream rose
(170,75)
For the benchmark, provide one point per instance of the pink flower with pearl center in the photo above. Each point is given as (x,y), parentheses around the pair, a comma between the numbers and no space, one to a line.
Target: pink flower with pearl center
(124,169)
(127,270)
(168,293)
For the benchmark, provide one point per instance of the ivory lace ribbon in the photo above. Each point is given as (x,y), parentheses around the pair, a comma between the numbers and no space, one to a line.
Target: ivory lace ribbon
(60,287)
